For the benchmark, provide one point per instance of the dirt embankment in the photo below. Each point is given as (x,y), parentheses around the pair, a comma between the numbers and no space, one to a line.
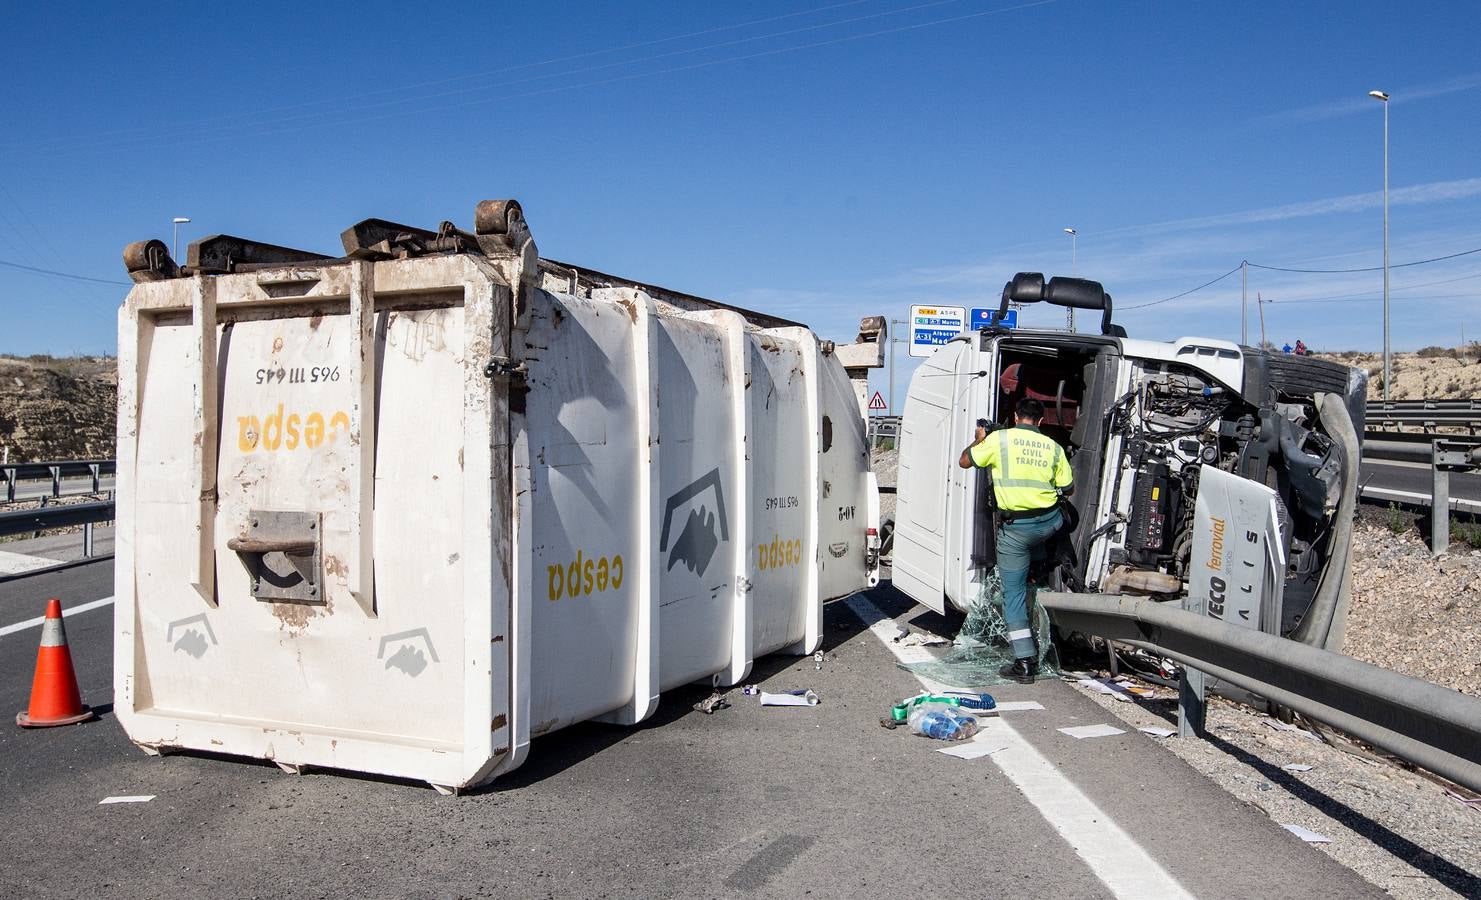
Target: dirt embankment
(1432,373)
(58,408)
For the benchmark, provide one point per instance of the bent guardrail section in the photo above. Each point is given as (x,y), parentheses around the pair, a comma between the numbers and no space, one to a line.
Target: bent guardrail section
(1431,726)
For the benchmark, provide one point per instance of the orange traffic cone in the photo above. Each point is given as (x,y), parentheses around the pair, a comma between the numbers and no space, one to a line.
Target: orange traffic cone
(54,696)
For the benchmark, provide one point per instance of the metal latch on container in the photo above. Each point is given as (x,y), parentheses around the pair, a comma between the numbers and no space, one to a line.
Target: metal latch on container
(282,553)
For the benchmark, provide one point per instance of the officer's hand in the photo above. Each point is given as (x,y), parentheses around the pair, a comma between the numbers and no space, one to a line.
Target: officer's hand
(979,435)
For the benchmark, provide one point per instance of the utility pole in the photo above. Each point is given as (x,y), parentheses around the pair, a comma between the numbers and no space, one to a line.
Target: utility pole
(1074,271)
(1387,376)
(1260,305)
(1244,302)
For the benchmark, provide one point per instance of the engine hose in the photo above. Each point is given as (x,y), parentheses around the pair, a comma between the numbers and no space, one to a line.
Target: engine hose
(1325,622)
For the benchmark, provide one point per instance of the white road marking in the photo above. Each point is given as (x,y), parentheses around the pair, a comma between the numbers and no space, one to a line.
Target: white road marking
(16,563)
(132,798)
(1117,860)
(1416,497)
(36,622)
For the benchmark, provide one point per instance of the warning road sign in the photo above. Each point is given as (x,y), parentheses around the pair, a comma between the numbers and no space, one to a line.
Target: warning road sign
(877,401)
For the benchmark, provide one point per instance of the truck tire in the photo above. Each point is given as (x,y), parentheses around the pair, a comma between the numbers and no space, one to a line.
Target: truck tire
(1302,376)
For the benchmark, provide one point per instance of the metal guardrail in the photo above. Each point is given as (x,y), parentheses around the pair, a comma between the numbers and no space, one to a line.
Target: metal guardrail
(36,520)
(1424,414)
(882,428)
(1444,455)
(56,472)
(21,521)
(1431,726)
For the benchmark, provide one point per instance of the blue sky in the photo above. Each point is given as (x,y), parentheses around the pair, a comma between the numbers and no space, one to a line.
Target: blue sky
(819,159)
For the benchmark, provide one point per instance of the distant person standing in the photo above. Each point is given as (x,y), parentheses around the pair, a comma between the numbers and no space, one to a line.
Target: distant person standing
(1029,474)
(1286,348)
(1302,349)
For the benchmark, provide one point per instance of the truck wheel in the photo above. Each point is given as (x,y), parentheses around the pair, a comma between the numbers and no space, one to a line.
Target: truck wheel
(1303,376)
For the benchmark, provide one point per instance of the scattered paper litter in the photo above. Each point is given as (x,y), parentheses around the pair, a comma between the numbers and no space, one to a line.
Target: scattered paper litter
(1468,801)
(916,639)
(133,798)
(1282,726)
(787,700)
(1157,731)
(1018,705)
(971,749)
(1080,732)
(1297,767)
(1306,834)
(1104,687)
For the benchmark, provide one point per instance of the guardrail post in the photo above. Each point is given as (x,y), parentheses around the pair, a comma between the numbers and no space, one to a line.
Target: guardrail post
(97,481)
(87,541)
(56,481)
(1439,503)
(1192,707)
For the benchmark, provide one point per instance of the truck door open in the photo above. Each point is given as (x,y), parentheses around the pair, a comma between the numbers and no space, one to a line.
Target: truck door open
(948,393)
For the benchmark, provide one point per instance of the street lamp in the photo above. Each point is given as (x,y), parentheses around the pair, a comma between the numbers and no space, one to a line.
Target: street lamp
(1074,270)
(175,243)
(1387,375)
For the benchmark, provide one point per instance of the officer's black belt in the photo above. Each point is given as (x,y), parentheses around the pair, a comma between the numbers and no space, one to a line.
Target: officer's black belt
(1013,515)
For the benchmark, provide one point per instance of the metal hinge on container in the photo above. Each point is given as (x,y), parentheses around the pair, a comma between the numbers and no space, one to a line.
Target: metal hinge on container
(282,552)
(503,365)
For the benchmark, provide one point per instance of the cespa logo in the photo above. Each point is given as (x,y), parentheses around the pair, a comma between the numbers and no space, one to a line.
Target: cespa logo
(585,576)
(278,431)
(780,552)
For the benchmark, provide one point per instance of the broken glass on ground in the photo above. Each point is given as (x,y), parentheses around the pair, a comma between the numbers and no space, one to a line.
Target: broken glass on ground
(981,647)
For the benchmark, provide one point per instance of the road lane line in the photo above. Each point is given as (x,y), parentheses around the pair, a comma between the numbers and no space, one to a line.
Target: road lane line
(1114,856)
(36,622)
(1395,494)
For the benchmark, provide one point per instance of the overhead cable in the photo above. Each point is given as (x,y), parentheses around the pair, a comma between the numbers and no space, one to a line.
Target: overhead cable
(1417,262)
(56,274)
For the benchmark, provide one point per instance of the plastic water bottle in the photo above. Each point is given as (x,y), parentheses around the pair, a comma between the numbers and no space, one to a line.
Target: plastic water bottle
(945,724)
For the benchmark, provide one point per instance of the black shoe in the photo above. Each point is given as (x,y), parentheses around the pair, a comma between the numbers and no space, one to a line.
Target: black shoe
(1021,670)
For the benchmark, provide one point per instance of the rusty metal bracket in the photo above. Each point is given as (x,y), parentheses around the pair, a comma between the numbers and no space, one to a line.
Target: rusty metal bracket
(220,254)
(283,552)
(149,261)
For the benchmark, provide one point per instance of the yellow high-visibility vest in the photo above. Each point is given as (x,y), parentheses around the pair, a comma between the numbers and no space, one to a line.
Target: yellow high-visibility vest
(1028,468)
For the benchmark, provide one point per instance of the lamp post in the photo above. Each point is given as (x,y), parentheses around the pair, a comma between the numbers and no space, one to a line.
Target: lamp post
(1074,270)
(1387,374)
(175,241)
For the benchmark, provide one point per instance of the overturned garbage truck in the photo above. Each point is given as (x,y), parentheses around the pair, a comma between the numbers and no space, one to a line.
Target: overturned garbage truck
(1204,471)
(403,510)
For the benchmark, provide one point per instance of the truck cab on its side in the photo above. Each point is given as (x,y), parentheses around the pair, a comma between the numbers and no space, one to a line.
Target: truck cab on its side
(1202,468)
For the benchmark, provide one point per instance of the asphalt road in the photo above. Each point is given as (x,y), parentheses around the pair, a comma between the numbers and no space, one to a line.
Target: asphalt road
(1413,483)
(817,801)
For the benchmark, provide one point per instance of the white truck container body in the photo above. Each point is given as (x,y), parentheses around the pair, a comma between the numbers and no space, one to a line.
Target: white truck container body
(402,515)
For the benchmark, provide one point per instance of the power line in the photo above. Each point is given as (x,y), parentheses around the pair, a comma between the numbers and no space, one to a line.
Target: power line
(1417,262)
(55,274)
(1211,282)
(1185,293)
(332,118)
(237,117)
(1362,299)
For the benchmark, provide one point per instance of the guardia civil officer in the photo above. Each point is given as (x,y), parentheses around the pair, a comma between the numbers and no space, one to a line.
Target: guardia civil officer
(1029,474)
